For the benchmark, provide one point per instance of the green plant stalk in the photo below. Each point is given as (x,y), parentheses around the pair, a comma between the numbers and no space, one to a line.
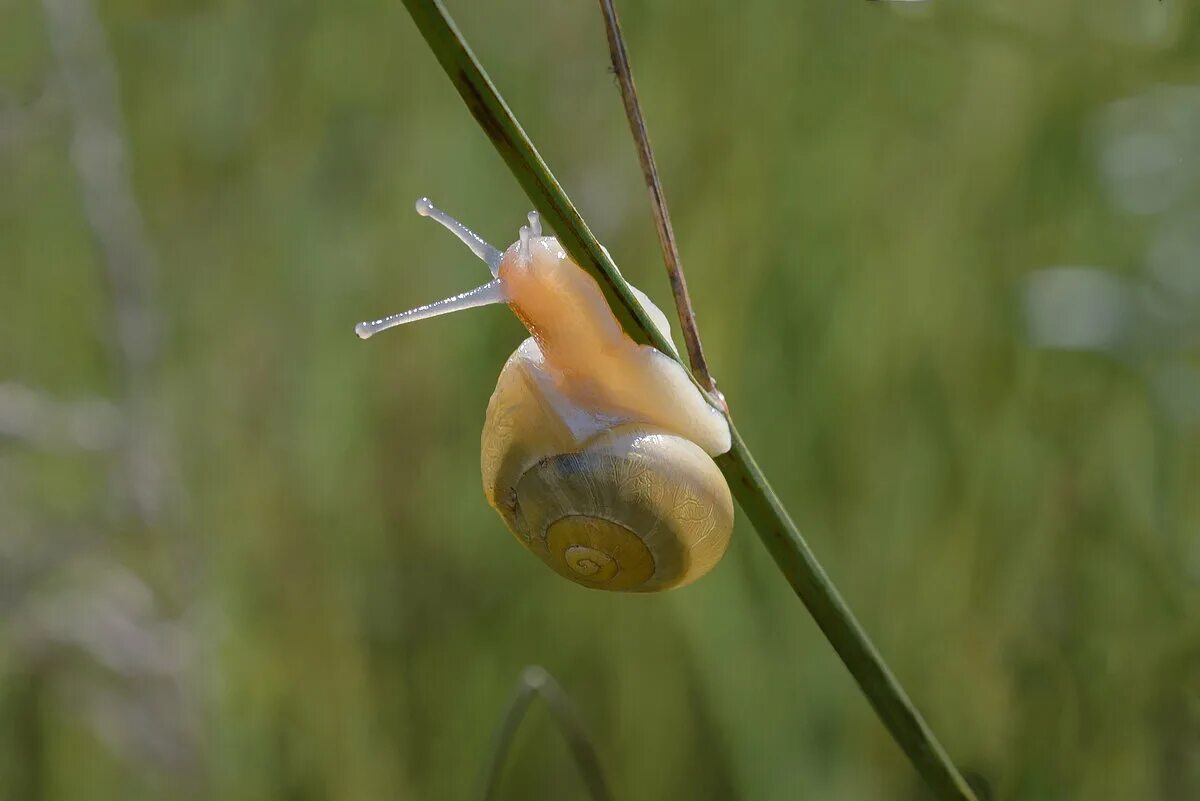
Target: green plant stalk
(758,501)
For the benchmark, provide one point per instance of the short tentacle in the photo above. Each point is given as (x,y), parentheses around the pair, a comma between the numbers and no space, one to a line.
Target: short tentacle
(524,246)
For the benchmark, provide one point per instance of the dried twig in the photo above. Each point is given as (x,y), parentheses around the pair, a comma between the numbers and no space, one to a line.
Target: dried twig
(658,200)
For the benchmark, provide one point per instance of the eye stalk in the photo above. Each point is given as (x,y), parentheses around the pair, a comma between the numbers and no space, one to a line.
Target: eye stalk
(523,248)
(486,295)
(478,245)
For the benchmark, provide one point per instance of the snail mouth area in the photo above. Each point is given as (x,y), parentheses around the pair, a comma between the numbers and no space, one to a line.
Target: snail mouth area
(598,552)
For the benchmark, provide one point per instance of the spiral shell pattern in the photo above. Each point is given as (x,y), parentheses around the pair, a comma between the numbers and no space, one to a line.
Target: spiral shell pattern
(598,552)
(631,510)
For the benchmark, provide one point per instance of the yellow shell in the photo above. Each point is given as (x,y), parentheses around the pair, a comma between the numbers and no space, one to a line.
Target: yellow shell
(614,507)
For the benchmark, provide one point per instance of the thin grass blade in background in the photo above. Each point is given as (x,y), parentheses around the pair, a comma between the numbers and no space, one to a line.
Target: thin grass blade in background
(536,682)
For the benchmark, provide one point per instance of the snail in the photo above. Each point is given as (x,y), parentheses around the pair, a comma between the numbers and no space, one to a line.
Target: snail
(596,451)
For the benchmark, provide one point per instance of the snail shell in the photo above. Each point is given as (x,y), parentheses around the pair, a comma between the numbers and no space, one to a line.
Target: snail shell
(616,507)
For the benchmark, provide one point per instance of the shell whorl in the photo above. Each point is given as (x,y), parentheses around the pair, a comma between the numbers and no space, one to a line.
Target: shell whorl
(598,552)
(631,510)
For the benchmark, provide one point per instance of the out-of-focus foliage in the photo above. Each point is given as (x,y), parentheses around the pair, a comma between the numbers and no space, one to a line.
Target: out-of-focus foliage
(947,270)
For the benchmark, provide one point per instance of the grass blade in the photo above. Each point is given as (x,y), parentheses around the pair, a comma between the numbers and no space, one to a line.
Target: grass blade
(758,501)
(535,682)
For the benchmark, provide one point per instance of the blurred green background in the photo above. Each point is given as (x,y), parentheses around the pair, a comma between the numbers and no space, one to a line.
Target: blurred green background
(947,266)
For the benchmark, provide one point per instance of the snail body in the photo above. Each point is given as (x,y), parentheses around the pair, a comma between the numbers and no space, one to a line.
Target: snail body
(596,451)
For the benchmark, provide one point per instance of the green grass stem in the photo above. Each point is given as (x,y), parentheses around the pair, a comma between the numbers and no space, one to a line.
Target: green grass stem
(754,494)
